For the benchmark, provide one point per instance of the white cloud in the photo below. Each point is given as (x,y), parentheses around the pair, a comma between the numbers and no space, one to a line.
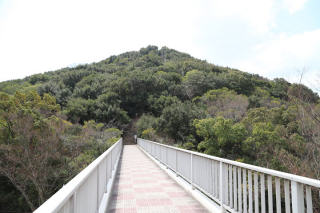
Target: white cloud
(294,5)
(259,15)
(285,56)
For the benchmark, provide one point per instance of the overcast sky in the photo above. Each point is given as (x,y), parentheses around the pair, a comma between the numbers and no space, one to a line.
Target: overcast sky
(273,38)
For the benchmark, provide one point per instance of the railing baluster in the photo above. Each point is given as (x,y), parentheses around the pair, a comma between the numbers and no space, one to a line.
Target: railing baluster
(167,159)
(176,169)
(72,197)
(225,182)
(217,178)
(263,195)
(278,195)
(111,162)
(244,187)
(239,190)
(202,173)
(270,208)
(287,196)
(297,197)
(235,195)
(213,171)
(309,199)
(97,209)
(75,202)
(191,171)
(221,194)
(236,185)
(250,190)
(256,193)
(230,186)
(209,178)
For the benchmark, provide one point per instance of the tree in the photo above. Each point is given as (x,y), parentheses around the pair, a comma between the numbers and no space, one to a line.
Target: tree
(39,151)
(220,136)
(80,110)
(158,104)
(279,88)
(176,119)
(239,82)
(303,93)
(262,98)
(195,83)
(107,109)
(226,103)
(30,144)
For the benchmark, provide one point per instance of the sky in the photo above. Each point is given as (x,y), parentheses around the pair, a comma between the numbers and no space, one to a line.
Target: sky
(272,38)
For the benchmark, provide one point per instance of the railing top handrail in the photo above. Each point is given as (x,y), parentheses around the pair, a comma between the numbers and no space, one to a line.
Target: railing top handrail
(56,201)
(284,175)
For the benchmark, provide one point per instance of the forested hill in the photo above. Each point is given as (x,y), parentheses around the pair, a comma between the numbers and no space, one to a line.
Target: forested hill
(182,100)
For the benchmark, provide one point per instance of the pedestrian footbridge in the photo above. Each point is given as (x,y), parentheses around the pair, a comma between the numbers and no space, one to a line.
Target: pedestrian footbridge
(153,177)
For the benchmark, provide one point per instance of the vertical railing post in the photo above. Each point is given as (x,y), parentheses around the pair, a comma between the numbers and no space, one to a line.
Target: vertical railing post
(98,188)
(75,202)
(111,161)
(167,161)
(110,165)
(106,187)
(297,197)
(191,172)
(177,163)
(221,187)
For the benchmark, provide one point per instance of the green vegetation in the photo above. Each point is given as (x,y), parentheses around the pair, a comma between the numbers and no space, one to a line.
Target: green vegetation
(40,151)
(175,98)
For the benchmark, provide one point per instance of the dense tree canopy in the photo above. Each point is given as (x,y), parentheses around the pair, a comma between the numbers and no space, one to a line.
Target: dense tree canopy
(40,151)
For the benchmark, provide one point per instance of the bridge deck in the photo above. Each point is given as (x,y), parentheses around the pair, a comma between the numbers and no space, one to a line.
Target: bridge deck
(141,186)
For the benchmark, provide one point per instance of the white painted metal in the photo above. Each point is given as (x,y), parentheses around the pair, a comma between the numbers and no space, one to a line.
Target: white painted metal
(309,199)
(211,178)
(239,190)
(250,190)
(191,169)
(278,195)
(296,203)
(176,166)
(244,187)
(230,187)
(225,184)
(287,196)
(235,195)
(256,193)
(184,168)
(263,195)
(221,194)
(270,198)
(217,178)
(84,192)
(231,181)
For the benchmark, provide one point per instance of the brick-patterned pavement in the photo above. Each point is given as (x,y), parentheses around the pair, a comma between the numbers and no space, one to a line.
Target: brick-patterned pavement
(142,187)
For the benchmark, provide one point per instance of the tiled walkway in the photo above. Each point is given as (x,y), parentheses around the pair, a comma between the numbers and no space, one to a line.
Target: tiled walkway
(141,186)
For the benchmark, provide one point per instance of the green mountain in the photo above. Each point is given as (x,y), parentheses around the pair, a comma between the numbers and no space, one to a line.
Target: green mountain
(181,100)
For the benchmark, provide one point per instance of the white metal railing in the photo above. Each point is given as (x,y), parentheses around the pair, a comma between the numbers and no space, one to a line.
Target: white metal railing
(239,187)
(84,193)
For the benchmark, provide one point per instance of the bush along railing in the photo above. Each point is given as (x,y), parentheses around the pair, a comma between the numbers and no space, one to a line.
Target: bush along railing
(239,187)
(88,191)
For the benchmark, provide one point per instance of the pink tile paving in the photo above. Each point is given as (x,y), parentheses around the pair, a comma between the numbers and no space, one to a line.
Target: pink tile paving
(142,187)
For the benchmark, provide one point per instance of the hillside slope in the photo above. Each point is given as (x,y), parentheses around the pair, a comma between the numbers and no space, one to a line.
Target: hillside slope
(197,105)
